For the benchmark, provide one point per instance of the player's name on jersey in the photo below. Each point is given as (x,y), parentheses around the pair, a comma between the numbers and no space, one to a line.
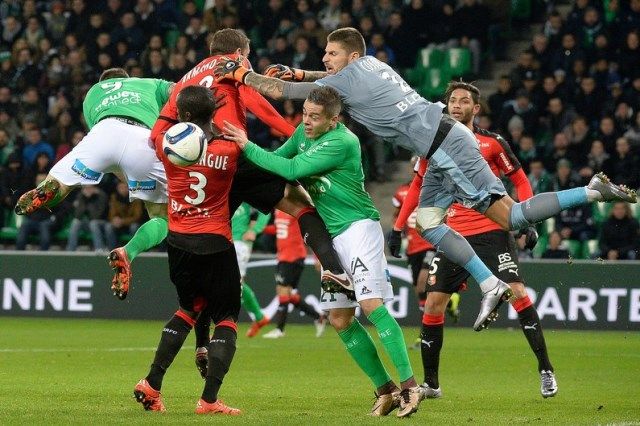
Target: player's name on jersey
(217,162)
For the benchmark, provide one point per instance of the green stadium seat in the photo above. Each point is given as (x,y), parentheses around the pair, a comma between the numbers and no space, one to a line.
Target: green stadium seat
(434,84)
(590,249)
(430,58)
(414,76)
(9,231)
(600,212)
(575,248)
(549,225)
(540,248)
(457,61)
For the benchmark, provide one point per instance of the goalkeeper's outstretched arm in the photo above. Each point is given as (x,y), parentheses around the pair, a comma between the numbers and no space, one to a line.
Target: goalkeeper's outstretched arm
(278,89)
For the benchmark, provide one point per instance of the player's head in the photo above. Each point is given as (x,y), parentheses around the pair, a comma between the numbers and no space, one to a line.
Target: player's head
(344,46)
(320,111)
(113,73)
(463,101)
(197,105)
(228,41)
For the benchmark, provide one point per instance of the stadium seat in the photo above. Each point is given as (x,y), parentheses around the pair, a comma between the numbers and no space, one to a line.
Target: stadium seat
(9,231)
(549,225)
(434,84)
(575,248)
(430,58)
(600,212)
(457,61)
(540,247)
(590,249)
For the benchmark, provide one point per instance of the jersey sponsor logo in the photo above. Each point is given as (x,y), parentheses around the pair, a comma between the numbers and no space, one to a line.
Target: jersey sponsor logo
(84,171)
(357,265)
(506,263)
(318,185)
(141,185)
(124,97)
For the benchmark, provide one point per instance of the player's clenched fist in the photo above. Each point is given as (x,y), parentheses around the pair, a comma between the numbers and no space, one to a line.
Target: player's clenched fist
(284,72)
(230,69)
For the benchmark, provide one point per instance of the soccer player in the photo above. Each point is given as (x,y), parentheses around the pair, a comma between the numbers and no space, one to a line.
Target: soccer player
(291,253)
(496,247)
(378,98)
(119,112)
(262,190)
(202,259)
(245,230)
(326,157)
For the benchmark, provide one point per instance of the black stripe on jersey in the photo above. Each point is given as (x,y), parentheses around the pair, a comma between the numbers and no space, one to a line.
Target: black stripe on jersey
(505,147)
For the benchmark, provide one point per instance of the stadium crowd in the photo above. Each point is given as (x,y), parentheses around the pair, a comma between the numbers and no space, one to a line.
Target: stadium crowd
(570,106)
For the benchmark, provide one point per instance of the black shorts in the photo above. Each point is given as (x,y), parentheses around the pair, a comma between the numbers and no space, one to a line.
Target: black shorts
(212,278)
(419,261)
(261,189)
(497,249)
(288,273)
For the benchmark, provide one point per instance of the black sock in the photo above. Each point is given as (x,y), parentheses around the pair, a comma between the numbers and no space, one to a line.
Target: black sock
(317,237)
(431,336)
(306,308)
(221,351)
(202,330)
(282,313)
(532,329)
(173,336)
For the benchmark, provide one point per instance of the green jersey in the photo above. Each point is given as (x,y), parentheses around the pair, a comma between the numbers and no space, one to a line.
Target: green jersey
(329,167)
(137,98)
(241,221)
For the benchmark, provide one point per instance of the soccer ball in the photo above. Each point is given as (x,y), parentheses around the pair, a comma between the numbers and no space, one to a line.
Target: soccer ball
(184,144)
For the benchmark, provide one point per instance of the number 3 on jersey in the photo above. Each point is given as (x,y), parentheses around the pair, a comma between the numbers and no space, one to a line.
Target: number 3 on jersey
(197,187)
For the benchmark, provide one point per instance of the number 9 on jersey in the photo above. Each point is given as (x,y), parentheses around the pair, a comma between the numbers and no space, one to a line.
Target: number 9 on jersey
(184,144)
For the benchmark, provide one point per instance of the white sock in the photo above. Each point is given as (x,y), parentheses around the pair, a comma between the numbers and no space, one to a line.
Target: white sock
(489,284)
(593,195)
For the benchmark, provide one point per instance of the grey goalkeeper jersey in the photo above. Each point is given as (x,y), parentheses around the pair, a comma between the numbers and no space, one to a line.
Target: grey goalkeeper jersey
(378,98)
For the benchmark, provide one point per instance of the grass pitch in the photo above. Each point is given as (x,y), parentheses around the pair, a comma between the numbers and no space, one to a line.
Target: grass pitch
(83,372)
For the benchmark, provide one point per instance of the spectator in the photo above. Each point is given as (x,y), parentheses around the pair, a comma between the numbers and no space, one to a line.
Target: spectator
(114,12)
(557,118)
(526,151)
(539,178)
(438,24)
(147,19)
(128,32)
(623,166)
(329,16)
(6,102)
(497,100)
(401,42)
(567,54)
(632,94)
(124,216)
(542,53)
(377,44)
(15,180)
(360,9)
(470,29)
(184,47)
(155,66)
(291,115)
(623,116)
(56,21)
(524,109)
(78,21)
(553,30)
(608,133)
(633,133)
(596,159)
(12,28)
(382,11)
(26,72)
(576,224)
(560,151)
(314,33)
(196,31)
(90,211)
(588,100)
(39,222)
(9,124)
(555,249)
(592,26)
(620,234)
(215,14)
(303,57)
(7,147)
(524,64)
(35,145)
(579,136)
(34,32)
(30,108)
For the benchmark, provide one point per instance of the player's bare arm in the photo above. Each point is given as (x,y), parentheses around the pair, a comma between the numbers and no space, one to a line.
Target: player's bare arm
(311,76)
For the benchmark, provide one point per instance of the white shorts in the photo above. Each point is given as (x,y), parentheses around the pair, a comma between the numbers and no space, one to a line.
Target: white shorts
(243,253)
(361,252)
(114,146)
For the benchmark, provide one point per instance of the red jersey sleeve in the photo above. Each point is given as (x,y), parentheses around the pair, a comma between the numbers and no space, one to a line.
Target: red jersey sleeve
(257,104)
(504,157)
(411,199)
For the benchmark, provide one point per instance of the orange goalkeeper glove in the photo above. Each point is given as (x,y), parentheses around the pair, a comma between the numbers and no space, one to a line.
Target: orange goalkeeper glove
(284,72)
(231,69)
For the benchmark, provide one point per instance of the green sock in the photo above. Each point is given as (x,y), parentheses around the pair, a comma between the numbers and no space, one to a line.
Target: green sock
(250,303)
(149,235)
(361,348)
(393,341)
